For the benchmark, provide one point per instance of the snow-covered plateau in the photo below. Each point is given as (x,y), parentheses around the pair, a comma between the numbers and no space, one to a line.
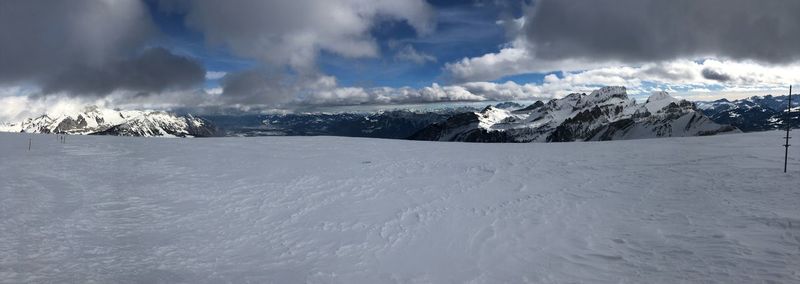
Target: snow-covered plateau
(102,209)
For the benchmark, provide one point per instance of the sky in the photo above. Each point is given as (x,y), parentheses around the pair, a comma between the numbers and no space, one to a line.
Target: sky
(133,54)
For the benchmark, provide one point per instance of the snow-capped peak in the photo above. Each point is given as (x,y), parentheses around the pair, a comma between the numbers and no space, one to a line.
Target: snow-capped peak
(659,95)
(608,92)
(658,101)
(491,116)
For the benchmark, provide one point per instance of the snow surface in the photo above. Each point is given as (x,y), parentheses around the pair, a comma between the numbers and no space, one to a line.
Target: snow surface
(348,210)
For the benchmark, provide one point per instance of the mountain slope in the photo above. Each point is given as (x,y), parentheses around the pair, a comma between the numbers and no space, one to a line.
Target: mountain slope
(605,114)
(752,114)
(96,121)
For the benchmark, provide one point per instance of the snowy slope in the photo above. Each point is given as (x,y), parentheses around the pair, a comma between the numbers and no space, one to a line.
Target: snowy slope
(100,121)
(605,114)
(343,210)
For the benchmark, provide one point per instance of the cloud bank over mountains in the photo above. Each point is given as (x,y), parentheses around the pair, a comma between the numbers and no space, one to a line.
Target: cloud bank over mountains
(584,35)
(654,30)
(58,53)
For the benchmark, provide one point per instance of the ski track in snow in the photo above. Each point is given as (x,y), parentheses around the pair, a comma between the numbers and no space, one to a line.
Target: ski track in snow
(348,210)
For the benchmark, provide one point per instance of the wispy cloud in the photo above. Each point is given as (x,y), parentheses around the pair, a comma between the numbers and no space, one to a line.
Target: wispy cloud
(215,75)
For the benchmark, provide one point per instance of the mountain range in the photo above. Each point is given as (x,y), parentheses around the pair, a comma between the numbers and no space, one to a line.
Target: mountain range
(98,121)
(605,114)
(753,114)
(393,124)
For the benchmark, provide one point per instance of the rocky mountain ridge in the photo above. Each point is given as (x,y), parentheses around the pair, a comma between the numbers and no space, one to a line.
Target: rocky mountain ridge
(99,121)
(605,114)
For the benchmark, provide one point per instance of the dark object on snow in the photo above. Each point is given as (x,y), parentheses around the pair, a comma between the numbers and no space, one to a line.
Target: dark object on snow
(788,128)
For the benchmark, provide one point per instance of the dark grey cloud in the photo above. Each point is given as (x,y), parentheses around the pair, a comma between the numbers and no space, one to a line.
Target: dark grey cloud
(673,74)
(155,70)
(715,75)
(86,47)
(258,86)
(648,30)
(39,37)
